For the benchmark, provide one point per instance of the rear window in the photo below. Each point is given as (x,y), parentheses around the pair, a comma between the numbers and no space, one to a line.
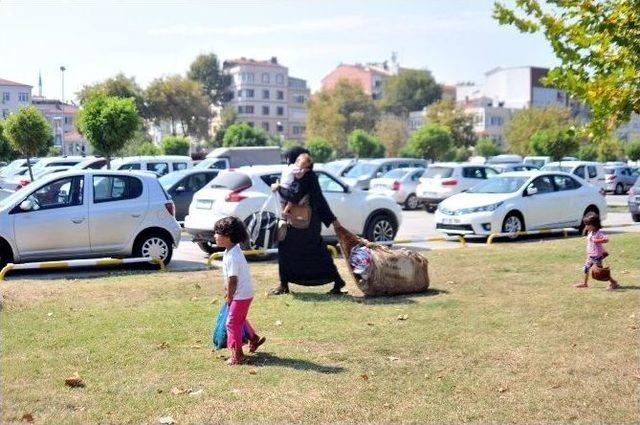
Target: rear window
(438,172)
(131,166)
(233,181)
(609,171)
(396,174)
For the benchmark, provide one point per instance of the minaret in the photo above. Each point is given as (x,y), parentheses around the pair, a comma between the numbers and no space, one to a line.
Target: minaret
(39,83)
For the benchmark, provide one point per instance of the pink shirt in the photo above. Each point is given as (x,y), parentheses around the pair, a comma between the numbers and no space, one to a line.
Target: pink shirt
(595,249)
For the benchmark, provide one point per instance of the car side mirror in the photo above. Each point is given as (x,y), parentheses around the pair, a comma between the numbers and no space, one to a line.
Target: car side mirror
(26,206)
(531,191)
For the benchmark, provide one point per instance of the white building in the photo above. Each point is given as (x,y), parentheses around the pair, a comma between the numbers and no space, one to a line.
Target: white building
(14,95)
(416,120)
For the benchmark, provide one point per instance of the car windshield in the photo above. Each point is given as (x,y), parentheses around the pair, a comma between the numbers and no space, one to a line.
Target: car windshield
(499,185)
(217,163)
(362,169)
(438,172)
(557,168)
(169,180)
(334,166)
(395,174)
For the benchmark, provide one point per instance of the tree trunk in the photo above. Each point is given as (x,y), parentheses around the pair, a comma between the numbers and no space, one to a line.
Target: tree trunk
(173,126)
(29,165)
(108,162)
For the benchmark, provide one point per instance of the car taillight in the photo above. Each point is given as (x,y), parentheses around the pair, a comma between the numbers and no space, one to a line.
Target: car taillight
(449,182)
(235,195)
(171,207)
(395,185)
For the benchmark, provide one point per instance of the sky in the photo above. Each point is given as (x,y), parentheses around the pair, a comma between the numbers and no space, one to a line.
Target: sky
(457,40)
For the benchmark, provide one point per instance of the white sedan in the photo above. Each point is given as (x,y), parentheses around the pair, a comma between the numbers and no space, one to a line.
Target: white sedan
(243,192)
(518,201)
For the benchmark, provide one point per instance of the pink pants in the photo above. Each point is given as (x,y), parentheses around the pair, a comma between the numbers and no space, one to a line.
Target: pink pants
(237,320)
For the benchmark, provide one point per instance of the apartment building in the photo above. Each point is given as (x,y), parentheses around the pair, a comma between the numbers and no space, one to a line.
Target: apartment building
(369,76)
(264,95)
(62,118)
(14,95)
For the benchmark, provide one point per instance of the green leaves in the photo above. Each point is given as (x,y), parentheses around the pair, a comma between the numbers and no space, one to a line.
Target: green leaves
(409,90)
(320,149)
(244,135)
(175,145)
(28,131)
(432,141)
(364,145)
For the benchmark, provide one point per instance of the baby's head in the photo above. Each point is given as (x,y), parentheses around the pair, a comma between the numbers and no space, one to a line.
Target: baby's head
(304,161)
(591,222)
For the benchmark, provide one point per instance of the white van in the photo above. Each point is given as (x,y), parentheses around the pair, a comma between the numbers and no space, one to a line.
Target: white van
(160,165)
(223,158)
(592,172)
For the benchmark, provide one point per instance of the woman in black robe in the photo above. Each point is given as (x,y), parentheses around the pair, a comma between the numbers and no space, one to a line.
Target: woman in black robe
(303,258)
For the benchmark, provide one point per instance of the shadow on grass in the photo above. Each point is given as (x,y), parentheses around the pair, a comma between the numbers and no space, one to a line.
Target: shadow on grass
(632,287)
(268,359)
(397,299)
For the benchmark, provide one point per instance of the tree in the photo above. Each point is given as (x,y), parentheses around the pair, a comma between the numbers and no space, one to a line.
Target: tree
(609,150)
(207,71)
(487,148)
(409,90)
(365,145)
(445,112)
(334,114)
(588,152)
(108,123)
(148,148)
(598,45)
(460,154)
(555,143)
(243,134)
(526,122)
(119,86)
(429,142)
(320,149)
(7,153)
(179,101)
(393,133)
(29,133)
(633,150)
(175,145)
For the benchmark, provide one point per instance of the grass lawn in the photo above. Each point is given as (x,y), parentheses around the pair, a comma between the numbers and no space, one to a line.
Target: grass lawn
(501,337)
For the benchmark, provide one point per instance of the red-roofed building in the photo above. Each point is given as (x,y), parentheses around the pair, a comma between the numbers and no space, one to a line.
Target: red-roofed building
(370,77)
(56,113)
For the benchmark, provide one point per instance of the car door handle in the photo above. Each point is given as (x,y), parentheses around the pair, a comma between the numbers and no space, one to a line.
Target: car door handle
(78,220)
(135,215)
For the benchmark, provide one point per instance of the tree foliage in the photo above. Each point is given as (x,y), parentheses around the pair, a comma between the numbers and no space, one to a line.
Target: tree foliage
(446,113)
(487,148)
(118,86)
(525,122)
(633,150)
(409,90)
(334,114)
(598,44)
(175,145)
(364,145)
(108,123)
(393,132)
(7,152)
(243,134)
(609,150)
(320,149)
(207,71)
(29,132)
(432,141)
(588,152)
(555,143)
(148,149)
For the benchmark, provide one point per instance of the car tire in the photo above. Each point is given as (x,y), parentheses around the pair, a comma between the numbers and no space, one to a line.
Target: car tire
(154,244)
(411,203)
(619,189)
(208,247)
(513,223)
(635,217)
(381,227)
(430,208)
(6,256)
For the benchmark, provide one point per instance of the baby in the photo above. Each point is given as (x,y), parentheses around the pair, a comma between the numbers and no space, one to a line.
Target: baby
(289,188)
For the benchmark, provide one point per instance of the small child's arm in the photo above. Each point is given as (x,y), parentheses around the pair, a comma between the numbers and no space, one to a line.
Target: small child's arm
(601,239)
(232,285)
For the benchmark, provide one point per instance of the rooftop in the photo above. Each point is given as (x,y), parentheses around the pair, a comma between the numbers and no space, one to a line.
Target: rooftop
(4,82)
(248,61)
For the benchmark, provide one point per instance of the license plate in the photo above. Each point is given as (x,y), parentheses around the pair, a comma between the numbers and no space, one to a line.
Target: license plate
(451,220)
(204,204)
(429,194)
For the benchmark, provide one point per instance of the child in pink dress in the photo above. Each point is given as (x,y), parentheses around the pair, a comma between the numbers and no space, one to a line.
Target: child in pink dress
(595,251)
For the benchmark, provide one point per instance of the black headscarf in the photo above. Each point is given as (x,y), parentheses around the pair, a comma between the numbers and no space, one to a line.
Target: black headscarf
(293,153)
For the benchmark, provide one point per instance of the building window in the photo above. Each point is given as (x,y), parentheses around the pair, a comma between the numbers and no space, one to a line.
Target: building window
(248,109)
(265,125)
(249,93)
(265,110)
(279,78)
(265,94)
(67,120)
(5,113)
(265,77)
(280,111)
(240,109)
(280,95)
(239,93)
(247,77)
(23,97)
(496,121)
(298,130)
(279,127)
(298,98)
(6,96)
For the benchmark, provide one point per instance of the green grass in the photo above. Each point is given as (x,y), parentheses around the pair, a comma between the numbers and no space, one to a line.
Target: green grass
(501,337)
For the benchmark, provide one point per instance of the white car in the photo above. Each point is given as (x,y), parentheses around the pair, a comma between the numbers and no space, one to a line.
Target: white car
(243,191)
(445,179)
(400,185)
(159,165)
(518,201)
(88,213)
(591,172)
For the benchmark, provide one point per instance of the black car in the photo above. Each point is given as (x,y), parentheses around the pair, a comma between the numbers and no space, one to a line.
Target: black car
(182,185)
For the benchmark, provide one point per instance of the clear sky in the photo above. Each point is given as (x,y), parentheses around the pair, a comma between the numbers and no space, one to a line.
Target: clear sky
(456,39)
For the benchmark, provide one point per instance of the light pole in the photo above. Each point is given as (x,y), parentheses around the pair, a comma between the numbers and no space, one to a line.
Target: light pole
(62,69)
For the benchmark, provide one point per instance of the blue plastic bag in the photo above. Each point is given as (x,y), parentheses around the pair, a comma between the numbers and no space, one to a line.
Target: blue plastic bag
(219,332)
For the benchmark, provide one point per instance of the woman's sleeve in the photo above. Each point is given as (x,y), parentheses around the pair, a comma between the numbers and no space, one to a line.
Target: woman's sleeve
(318,202)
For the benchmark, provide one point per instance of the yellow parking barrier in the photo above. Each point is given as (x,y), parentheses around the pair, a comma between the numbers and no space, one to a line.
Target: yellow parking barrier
(54,265)
(564,231)
(460,238)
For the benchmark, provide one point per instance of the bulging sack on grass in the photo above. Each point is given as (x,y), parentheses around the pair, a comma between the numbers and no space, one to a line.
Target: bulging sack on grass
(390,272)
(219,331)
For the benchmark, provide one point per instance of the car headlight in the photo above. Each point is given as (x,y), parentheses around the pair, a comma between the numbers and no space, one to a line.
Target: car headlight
(490,207)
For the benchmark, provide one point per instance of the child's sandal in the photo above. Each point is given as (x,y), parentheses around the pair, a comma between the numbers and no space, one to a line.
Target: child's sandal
(581,285)
(253,346)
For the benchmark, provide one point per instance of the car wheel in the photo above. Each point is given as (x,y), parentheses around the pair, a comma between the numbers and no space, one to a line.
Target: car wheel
(430,208)
(208,247)
(154,245)
(619,189)
(411,203)
(513,223)
(5,256)
(381,228)
(635,217)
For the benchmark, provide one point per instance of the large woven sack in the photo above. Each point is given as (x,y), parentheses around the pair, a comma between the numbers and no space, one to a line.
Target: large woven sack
(392,272)
(601,273)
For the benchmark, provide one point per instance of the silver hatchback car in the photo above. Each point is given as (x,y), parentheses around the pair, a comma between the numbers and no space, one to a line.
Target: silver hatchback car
(88,213)
(399,184)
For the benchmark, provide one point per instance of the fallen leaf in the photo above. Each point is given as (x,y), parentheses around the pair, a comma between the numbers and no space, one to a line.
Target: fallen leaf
(403,317)
(633,316)
(159,390)
(252,372)
(235,391)
(196,286)
(393,359)
(198,341)
(450,282)
(386,405)
(624,271)
(166,420)
(178,391)
(278,323)
(74,381)
(369,324)
(555,386)
(196,346)
(27,417)
(364,376)
(502,389)
(214,301)
(49,314)
(163,345)
(196,393)
(633,327)
(194,298)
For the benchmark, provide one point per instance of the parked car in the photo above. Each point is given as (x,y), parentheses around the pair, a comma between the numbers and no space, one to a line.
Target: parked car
(88,213)
(519,201)
(361,174)
(159,165)
(58,161)
(340,167)
(93,163)
(508,167)
(182,185)
(445,179)
(634,201)
(505,159)
(399,184)
(244,191)
(536,161)
(21,181)
(591,172)
(619,179)
(223,158)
